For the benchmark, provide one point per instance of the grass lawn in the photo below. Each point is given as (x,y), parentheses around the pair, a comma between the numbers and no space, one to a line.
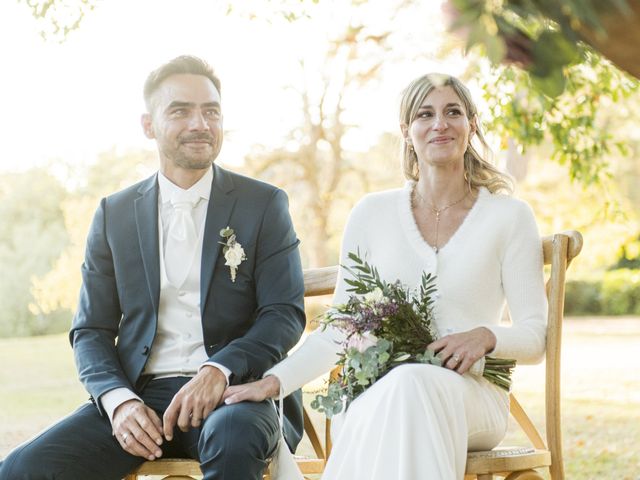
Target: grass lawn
(601,394)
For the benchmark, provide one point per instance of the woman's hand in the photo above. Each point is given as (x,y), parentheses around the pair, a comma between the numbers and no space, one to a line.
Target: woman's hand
(268,387)
(460,351)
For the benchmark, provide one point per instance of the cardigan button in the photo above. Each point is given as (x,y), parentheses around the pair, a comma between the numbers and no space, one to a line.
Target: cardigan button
(145,350)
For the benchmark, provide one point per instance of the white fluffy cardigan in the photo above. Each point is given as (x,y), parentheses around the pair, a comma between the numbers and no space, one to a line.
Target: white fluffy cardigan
(495,255)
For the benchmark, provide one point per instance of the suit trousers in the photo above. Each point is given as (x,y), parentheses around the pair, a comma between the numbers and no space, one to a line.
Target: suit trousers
(234,442)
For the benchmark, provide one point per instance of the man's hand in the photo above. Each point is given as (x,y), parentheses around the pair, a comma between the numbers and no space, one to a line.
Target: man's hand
(195,400)
(460,351)
(138,429)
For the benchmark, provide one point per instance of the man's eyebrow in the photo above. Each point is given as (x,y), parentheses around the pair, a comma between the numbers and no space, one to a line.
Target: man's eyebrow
(180,104)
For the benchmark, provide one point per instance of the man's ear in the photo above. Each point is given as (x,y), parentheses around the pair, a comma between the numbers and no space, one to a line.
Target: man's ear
(147,125)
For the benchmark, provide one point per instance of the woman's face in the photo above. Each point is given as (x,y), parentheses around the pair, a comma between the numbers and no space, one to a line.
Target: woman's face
(441,130)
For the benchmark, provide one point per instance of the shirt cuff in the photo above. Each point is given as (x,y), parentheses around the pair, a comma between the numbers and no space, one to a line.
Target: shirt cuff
(116,397)
(222,368)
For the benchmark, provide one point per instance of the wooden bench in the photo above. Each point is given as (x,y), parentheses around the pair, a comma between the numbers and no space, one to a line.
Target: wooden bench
(514,463)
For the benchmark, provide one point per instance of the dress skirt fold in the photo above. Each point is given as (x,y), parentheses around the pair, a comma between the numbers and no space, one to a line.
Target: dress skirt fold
(416,423)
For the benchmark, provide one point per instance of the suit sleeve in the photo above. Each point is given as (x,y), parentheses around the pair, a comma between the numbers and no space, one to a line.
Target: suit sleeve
(279,291)
(95,324)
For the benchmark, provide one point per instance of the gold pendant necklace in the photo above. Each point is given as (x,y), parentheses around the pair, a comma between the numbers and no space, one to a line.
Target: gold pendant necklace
(437,212)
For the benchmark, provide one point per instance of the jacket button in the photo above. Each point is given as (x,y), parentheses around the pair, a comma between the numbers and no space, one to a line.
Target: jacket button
(145,350)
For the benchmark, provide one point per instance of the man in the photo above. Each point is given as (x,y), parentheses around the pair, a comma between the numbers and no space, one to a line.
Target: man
(191,281)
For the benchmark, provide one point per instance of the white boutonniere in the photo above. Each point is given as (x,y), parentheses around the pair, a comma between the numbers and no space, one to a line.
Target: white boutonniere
(233,251)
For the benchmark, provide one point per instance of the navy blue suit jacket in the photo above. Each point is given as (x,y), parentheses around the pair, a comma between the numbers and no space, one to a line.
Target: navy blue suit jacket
(248,325)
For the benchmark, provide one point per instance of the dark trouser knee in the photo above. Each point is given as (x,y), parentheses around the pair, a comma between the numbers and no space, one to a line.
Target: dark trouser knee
(236,441)
(78,447)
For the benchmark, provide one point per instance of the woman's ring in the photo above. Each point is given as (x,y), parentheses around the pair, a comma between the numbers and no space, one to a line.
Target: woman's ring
(124,437)
(456,358)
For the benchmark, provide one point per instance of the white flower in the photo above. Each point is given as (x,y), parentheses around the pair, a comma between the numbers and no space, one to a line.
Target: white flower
(362,342)
(374,296)
(233,251)
(234,255)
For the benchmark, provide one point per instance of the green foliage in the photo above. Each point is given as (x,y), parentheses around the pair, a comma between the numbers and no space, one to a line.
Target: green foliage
(617,292)
(44,226)
(620,292)
(32,235)
(57,18)
(628,255)
(575,122)
(539,36)
(582,297)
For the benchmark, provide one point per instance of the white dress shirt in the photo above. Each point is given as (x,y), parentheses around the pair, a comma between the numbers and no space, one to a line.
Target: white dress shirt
(178,347)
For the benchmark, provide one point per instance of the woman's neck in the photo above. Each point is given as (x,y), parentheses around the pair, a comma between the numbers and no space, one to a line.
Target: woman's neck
(438,191)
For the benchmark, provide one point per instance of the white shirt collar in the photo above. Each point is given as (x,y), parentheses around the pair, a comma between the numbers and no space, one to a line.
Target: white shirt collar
(202,187)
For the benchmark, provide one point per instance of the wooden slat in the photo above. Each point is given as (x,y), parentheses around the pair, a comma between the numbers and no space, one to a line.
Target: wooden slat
(573,249)
(525,423)
(310,465)
(496,463)
(310,430)
(320,281)
(169,466)
(181,466)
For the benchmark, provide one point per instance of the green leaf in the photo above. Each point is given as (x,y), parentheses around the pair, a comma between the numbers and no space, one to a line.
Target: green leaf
(551,84)
(496,48)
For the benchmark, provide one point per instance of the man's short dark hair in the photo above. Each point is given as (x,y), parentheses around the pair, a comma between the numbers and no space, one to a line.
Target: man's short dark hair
(179,65)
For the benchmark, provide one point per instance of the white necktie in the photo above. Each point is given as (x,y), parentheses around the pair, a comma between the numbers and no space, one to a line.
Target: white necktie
(182,238)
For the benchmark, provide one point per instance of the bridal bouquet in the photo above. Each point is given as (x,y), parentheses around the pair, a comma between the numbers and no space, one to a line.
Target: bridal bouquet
(386,325)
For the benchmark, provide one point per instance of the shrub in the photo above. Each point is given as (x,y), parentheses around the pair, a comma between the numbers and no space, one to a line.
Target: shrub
(582,297)
(616,292)
(620,293)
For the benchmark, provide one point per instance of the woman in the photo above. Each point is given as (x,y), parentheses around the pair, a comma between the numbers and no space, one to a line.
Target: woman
(452,219)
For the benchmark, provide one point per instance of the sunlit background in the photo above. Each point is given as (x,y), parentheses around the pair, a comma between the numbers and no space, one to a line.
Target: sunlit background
(73,100)
(310,96)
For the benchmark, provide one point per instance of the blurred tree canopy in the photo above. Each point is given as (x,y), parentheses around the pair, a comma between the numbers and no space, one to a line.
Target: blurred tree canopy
(557,85)
(588,128)
(32,235)
(557,82)
(57,18)
(314,164)
(57,289)
(544,37)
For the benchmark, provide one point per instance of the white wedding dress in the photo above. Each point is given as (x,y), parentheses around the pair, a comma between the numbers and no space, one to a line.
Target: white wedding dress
(416,423)
(419,421)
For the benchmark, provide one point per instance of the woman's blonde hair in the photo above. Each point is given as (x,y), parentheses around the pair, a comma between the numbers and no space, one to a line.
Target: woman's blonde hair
(478,171)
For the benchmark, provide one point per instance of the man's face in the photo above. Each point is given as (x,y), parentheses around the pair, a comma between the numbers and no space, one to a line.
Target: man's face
(186,122)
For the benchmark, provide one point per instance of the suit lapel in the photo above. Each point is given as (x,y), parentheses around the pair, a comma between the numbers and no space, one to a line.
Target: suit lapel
(220,207)
(146,212)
